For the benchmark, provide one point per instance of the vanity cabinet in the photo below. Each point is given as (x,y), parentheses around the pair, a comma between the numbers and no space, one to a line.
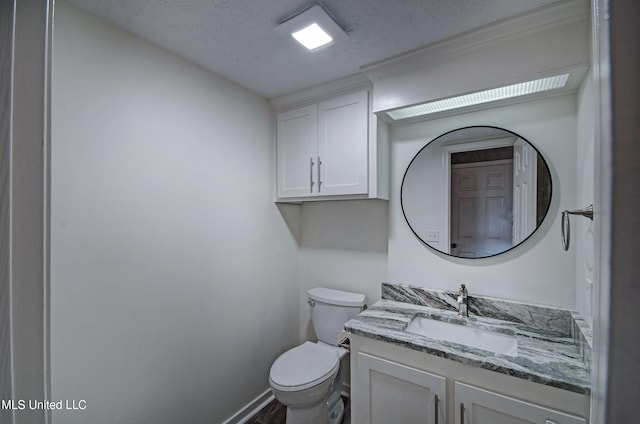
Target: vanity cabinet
(397,393)
(479,406)
(390,383)
(324,149)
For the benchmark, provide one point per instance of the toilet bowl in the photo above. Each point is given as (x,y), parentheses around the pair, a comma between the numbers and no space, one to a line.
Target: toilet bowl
(307,378)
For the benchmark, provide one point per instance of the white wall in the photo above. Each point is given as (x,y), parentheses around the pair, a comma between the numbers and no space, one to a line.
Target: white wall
(425,185)
(536,271)
(356,245)
(166,242)
(582,229)
(343,245)
(174,276)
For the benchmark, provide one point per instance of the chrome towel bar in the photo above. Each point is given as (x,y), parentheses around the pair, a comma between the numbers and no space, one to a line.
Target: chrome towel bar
(565,226)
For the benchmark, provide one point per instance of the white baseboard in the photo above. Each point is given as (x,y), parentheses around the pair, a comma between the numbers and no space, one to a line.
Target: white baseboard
(251,409)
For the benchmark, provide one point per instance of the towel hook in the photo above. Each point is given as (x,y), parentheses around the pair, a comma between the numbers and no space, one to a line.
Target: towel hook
(565,227)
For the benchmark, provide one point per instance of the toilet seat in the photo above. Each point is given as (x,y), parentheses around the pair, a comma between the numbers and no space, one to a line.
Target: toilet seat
(303,367)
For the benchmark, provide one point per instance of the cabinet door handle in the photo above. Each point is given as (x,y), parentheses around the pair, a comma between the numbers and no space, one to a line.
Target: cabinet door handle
(437,401)
(311,175)
(461,413)
(319,176)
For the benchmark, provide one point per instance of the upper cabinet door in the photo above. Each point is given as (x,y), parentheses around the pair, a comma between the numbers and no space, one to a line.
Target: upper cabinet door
(343,145)
(297,139)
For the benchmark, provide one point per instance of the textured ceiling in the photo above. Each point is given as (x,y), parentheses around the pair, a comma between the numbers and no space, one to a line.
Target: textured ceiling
(236,38)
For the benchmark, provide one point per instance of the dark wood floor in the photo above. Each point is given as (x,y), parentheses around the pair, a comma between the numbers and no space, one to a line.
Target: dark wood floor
(275,413)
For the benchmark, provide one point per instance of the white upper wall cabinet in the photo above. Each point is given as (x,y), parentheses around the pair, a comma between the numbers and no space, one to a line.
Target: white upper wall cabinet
(326,150)
(297,141)
(342,145)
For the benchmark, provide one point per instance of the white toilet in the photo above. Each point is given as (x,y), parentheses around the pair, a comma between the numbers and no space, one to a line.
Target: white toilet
(307,378)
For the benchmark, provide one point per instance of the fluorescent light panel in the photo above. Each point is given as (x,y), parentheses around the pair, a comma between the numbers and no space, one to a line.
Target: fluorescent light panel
(313,28)
(312,36)
(495,94)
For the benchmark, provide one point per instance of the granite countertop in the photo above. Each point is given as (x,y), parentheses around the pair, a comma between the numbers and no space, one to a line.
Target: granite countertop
(546,354)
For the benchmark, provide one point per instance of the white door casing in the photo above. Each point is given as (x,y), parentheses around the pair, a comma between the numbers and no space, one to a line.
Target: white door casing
(525,160)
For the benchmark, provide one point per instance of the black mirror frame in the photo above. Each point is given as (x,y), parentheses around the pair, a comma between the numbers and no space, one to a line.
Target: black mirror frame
(544,217)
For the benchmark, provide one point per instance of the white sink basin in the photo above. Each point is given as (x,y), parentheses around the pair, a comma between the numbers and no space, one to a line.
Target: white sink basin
(465,335)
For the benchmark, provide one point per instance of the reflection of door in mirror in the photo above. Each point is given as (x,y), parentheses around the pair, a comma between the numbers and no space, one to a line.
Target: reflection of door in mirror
(481,202)
(524,190)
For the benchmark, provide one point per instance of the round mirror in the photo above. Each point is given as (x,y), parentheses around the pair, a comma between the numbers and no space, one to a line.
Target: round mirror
(476,192)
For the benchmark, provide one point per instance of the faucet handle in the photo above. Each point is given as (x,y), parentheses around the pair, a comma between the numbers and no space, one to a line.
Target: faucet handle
(463,301)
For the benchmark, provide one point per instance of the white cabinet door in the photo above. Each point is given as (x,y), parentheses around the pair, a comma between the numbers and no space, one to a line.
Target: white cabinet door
(397,393)
(296,147)
(478,406)
(343,145)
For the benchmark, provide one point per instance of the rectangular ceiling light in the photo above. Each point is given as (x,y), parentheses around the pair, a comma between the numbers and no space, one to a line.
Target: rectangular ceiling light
(312,37)
(313,28)
(492,95)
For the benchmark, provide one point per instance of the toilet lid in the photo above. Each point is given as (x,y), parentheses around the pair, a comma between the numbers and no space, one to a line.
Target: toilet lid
(303,366)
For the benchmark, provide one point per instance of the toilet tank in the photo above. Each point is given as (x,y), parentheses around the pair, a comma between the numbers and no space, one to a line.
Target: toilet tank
(331,309)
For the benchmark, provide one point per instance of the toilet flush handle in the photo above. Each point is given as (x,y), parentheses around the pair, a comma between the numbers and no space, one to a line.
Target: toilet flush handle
(311,302)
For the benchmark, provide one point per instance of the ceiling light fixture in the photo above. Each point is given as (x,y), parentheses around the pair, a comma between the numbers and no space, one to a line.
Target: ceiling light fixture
(312,37)
(313,28)
(480,97)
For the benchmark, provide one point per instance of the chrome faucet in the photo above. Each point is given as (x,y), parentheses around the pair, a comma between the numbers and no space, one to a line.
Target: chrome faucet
(463,301)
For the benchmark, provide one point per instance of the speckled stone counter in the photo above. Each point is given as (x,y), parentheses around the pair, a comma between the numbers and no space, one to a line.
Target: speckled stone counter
(553,343)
